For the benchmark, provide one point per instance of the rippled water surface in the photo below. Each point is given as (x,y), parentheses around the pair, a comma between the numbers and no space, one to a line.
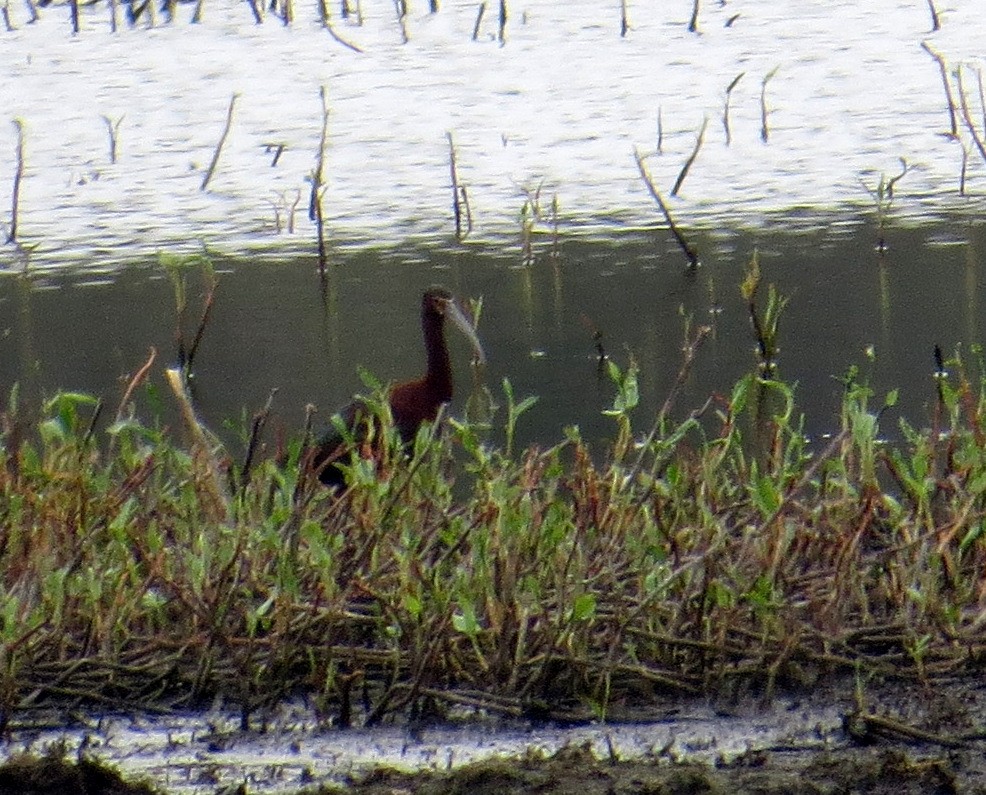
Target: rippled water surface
(558,107)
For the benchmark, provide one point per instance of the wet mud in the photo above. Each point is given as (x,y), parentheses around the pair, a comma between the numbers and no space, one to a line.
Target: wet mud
(898,739)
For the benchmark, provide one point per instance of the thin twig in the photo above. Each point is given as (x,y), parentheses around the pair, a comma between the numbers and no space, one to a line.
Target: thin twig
(691,158)
(219,146)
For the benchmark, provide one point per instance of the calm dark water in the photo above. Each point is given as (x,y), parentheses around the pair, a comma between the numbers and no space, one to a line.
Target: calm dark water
(273,328)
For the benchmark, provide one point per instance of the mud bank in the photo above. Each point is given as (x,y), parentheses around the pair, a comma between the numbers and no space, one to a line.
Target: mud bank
(895,740)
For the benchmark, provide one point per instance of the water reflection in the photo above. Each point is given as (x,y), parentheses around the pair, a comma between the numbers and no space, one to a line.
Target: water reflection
(542,325)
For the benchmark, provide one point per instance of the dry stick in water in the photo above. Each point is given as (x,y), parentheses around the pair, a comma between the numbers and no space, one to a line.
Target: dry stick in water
(690,252)
(197,14)
(954,125)
(74,5)
(502,35)
(693,22)
(624,19)
(479,21)
(113,130)
(764,130)
(935,21)
(660,131)
(5,11)
(691,159)
(219,146)
(725,110)
(967,117)
(15,194)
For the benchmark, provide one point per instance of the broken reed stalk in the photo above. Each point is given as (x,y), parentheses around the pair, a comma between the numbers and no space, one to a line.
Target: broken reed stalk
(479,21)
(255,8)
(113,16)
(690,253)
(113,130)
(725,110)
(15,194)
(216,507)
(624,19)
(691,158)
(764,129)
(460,200)
(5,11)
(949,98)
(197,14)
(74,6)
(317,180)
(219,147)
(693,22)
(502,34)
(935,21)
(433,6)
(660,131)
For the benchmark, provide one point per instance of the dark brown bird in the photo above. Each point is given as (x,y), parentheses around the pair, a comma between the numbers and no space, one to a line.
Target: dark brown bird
(411,402)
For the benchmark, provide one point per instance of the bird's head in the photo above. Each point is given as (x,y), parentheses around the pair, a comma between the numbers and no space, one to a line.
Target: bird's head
(439,302)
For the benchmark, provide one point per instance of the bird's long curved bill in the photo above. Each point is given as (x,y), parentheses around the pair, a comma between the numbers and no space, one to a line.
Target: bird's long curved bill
(466,327)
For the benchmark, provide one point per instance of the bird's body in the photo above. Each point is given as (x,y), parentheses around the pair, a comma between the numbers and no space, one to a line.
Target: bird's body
(411,402)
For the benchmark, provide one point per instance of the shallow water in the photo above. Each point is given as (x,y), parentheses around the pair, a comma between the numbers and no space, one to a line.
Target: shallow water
(555,111)
(271,328)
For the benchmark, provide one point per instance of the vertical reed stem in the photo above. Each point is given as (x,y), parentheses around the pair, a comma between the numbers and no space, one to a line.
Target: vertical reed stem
(74,5)
(18,176)
(624,19)
(502,35)
(113,130)
(725,110)
(219,146)
(317,179)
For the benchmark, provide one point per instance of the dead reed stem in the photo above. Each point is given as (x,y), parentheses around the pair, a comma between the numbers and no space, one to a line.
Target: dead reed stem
(624,19)
(935,20)
(977,139)
(725,110)
(691,158)
(764,129)
(690,253)
(219,147)
(113,130)
(5,12)
(479,21)
(460,200)
(74,6)
(502,34)
(18,177)
(949,98)
(315,213)
(693,22)
(400,6)
(216,504)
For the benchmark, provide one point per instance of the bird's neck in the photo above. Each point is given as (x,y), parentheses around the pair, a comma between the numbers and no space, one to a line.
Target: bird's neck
(439,375)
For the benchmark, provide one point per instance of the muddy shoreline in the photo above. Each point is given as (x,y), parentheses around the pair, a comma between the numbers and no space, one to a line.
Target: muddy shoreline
(905,738)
